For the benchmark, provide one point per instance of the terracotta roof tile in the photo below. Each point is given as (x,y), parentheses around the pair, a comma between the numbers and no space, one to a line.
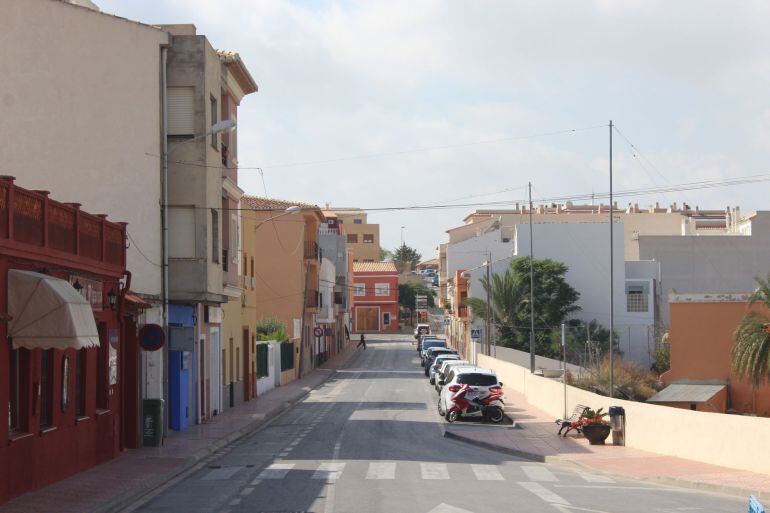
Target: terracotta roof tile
(374,267)
(259,203)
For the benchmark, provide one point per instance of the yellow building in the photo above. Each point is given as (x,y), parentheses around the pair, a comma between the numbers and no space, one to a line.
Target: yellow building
(363,238)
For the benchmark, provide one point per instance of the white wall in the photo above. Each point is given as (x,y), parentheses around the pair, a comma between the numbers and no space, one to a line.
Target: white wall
(80,96)
(471,252)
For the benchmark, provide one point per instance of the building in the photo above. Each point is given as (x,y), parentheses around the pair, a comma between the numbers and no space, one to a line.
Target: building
(284,260)
(362,238)
(428,264)
(701,338)
(204,88)
(375,287)
(335,285)
(96,121)
(70,374)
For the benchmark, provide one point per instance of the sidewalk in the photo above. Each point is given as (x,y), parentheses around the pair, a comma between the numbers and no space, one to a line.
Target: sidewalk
(136,472)
(534,437)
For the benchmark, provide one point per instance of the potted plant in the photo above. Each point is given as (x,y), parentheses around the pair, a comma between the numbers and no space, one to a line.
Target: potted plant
(594,426)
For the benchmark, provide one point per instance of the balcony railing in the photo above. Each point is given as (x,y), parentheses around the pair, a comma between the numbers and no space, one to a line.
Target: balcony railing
(313,299)
(31,218)
(224,259)
(462,311)
(312,251)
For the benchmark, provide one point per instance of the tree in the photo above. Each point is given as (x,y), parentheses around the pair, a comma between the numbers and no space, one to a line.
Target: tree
(385,254)
(405,258)
(751,352)
(408,291)
(509,297)
(588,342)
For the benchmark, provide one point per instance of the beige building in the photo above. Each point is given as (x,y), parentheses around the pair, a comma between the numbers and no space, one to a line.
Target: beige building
(363,238)
(280,252)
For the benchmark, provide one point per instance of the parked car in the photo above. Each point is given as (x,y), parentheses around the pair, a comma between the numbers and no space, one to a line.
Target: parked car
(483,381)
(421,329)
(437,362)
(443,371)
(427,344)
(431,355)
(422,338)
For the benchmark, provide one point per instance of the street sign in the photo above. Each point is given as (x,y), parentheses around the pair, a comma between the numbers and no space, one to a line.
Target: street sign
(318,332)
(151,337)
(421,302)
(476,333)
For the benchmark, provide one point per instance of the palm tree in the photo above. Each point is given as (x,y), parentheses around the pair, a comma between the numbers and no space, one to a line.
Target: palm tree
(751,352)
(507,299)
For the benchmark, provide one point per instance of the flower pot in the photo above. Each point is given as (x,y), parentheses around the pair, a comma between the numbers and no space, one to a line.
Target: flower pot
(596,433)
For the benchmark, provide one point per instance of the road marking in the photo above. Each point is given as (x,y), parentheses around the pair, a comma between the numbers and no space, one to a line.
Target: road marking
(446,508)
(596,478)
(544,493)
(256,481)
(234,502)
(284,453)
(487,473)
(276,471)
(434,471)
(607,487)
(381,470)
(221,473)
(247,490)
(541,474)
(329,471)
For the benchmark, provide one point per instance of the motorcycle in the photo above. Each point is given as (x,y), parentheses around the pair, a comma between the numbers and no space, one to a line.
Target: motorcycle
(466,402)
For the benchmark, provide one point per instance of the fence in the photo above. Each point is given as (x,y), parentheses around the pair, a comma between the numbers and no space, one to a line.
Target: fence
(287,355)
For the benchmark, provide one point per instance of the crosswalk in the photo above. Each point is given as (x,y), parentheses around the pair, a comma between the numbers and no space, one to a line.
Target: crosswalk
(331,471)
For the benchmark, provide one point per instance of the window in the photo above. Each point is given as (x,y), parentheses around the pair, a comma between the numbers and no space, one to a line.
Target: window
(352,238)
(15,418)
(80,382)
(368,238)
(382,289)
(181,110)
(102,362)
(46,387)
(65,383)
(252,273)
(359,289)
(386,318)
(358,221)
(636,298)
(214,117)
(215,236)
(238,368)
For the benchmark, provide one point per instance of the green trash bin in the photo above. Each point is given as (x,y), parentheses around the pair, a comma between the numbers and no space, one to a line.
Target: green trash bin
(152,422)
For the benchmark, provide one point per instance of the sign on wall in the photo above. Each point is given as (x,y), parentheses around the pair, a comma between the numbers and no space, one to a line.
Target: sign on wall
(151,337)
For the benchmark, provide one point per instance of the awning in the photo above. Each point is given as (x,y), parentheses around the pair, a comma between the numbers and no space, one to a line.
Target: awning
(135,302)
(686,393)
(48,313)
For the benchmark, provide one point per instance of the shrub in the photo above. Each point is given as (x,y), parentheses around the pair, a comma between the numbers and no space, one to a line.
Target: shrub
(631,381)
(270,328)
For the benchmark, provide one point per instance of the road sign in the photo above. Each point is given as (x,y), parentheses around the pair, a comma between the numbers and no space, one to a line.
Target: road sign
(421,302)
(318,332)
(151,337)
(476,333)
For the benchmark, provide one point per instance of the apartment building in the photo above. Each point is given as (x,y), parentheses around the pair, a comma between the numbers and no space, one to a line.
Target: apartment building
(375,286)
(362,238)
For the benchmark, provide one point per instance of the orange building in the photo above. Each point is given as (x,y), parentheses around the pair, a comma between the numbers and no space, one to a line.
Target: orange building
(701,378)
(375,288)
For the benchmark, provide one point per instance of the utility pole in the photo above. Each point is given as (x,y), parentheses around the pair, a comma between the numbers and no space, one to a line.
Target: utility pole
(564,365)
(489,284)
(612,288)
(531,288)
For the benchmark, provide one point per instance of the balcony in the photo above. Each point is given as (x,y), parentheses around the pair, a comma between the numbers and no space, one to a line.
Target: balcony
(312,251)
(313,299)
(462,311)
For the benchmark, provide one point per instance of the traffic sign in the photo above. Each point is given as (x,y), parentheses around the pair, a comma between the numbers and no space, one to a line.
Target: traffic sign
(318,332)
(476,333)
(151,337)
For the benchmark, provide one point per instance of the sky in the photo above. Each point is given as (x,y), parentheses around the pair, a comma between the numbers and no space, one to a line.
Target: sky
(391,103)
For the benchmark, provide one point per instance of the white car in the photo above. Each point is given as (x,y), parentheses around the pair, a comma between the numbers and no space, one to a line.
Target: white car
(442,372)
(437,364)
(483,381)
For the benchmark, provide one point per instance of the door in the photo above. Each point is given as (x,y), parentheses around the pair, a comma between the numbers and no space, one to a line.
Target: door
(246,367)
(367,318)
(215,385)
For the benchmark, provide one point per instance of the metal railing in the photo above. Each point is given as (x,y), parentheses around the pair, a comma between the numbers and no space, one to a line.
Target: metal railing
(312,250)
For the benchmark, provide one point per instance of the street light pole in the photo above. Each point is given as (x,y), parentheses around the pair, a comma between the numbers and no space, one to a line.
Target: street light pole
(402,235)
(612,277)
(489,284)
(531,288)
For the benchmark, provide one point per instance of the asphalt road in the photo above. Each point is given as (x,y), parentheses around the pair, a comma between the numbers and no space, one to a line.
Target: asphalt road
(370,441)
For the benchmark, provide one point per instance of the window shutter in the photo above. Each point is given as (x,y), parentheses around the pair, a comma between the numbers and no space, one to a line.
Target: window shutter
(181,110)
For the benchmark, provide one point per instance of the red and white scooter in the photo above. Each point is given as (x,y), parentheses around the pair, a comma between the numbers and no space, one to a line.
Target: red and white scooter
(466,402)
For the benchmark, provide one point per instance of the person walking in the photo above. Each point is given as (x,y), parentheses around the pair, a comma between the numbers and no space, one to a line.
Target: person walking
(362,342)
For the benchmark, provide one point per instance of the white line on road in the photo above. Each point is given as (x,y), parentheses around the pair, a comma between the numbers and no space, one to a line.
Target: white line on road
(544,493)
(381,470)
(434,471)
(256,481)
(247,490)
(276,471)
(221,473)
(541,474)
(487,473)
(329,471)
(596,478)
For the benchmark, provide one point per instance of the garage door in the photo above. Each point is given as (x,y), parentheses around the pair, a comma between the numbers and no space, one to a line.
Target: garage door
(368,318)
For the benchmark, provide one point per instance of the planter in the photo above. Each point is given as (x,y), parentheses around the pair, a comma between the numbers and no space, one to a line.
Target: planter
(596,433)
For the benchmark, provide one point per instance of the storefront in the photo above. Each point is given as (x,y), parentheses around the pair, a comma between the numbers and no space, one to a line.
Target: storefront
(61,364)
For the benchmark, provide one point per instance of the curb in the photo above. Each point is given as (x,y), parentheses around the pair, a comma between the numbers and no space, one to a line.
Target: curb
(735,491)
(128,497)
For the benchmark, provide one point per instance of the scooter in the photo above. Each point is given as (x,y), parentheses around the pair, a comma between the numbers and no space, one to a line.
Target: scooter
(467,403)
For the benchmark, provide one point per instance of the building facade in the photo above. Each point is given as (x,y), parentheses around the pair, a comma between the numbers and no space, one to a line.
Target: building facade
(70,372)
(701,337)
(362,237)
(375,287)
(335,284)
